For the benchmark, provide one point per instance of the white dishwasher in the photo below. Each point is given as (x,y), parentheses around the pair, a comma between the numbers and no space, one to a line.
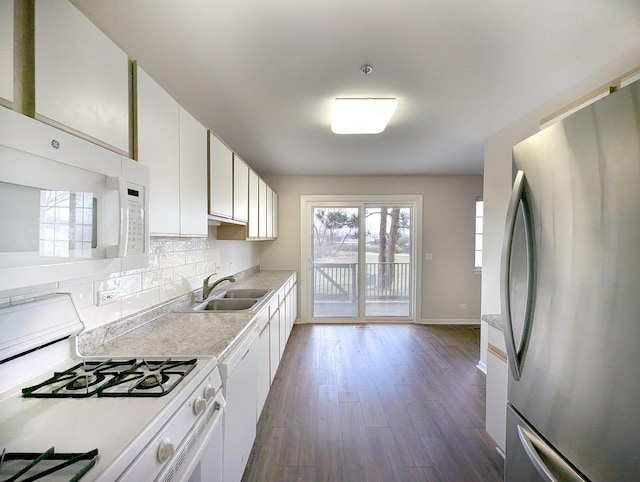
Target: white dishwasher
(239,378)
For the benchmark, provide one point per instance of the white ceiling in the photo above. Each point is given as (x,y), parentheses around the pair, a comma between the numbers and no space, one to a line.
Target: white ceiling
(262,74)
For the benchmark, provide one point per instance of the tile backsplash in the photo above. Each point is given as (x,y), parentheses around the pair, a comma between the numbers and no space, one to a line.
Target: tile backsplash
(177,266)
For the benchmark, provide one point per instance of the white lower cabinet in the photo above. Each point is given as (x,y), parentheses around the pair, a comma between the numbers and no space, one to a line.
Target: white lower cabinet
(239,373)
(283,319)
(247,374)
(497,376)
(292,306)
(263,371)
(274,338)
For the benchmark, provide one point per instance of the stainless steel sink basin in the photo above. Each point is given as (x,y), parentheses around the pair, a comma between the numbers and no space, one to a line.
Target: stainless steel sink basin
(245,293)
(229,301)
(226,304)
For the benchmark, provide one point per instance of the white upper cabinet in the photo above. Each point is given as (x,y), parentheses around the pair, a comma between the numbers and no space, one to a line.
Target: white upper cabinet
(269,216)
(220,178)
(253,205)
(159,148)
(174,146)
(263,219)
(240,190)
(262,209)
(193,176)
(81,76)
(6,50)
(275,215)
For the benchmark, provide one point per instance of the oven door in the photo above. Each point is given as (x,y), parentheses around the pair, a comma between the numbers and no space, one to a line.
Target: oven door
(206,461)
(179,452)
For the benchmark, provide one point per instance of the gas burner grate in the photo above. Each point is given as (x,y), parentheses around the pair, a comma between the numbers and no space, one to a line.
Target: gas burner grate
(27,466)
(109,378)
(149,379)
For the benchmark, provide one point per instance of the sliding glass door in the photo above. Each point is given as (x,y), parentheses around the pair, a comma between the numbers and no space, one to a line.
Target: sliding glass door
(387,268)
(360,259)
(335,261)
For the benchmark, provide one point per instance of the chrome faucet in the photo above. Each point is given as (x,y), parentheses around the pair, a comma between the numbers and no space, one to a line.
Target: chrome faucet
(206,289)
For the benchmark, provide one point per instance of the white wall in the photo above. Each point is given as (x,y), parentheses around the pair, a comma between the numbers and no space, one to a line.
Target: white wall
(177,266)
(448,233)
(497,173)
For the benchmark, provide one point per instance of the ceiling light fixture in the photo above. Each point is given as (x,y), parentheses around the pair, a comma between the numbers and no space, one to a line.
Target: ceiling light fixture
(362,115)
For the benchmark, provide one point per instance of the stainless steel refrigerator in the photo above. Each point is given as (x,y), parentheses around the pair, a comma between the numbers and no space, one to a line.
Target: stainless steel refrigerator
(571,297)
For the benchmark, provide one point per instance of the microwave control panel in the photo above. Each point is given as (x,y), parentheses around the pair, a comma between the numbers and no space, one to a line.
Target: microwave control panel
(135,238)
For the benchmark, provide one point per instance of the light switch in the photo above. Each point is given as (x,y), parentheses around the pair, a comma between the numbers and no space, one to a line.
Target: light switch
(428,256)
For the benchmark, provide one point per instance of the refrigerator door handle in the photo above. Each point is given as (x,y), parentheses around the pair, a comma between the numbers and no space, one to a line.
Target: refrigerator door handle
(519,198)
(550,466)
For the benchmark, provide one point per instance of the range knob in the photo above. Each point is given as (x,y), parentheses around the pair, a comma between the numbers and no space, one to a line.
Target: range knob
(199,405)
(209,392)
(166,450)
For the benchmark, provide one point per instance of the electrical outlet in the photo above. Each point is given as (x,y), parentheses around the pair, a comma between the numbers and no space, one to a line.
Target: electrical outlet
(462,306)
(107,296)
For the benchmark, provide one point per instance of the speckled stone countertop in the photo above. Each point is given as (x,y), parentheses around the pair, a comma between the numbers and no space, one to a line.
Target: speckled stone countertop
(493,320)
(194,334)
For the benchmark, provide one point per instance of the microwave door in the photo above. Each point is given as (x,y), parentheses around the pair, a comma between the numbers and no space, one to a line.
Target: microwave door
(57,215)
(68,208)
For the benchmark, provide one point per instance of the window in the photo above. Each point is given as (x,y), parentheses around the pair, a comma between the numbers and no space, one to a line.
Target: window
(478,243)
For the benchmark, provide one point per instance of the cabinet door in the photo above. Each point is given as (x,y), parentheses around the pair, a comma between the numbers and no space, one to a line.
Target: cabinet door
(159,148)
(274,341)
(240,416)
(240,190)
(275,215)
(193,176)
(283,321)
(496,383)
(264,374)
(220,178)
(6,51)
(253,204)
(82,84)
(269,216)
(262,209)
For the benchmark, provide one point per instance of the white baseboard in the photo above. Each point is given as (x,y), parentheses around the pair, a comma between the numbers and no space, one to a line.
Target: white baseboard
(482,366)
(450,321)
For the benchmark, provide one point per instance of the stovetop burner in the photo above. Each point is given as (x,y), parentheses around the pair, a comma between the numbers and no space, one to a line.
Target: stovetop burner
(114,378)
(27,466)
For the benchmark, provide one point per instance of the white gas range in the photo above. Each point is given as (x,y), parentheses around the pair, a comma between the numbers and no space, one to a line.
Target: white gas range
(107,419)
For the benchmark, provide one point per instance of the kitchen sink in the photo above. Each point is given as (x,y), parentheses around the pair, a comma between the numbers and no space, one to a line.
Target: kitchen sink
(246,293)
(226,304)
(229,301)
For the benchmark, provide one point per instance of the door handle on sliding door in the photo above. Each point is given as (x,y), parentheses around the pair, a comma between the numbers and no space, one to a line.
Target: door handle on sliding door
(518,204)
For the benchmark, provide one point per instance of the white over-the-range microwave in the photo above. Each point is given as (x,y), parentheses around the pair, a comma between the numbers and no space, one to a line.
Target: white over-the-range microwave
(68,208)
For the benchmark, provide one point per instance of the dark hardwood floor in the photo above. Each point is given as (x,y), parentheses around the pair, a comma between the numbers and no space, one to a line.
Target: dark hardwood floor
(391,403)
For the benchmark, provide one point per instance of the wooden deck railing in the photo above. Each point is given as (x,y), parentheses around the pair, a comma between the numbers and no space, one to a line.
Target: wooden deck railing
(339,281)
